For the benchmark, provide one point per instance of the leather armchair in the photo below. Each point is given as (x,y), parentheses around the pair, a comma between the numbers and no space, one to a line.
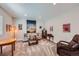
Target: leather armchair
(32,40)
(69,48)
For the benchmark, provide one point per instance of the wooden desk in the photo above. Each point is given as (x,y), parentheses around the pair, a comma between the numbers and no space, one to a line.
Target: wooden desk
(4,42)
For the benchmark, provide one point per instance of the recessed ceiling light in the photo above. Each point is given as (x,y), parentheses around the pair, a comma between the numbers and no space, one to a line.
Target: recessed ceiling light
(40,17)
(25,14)
(54,3)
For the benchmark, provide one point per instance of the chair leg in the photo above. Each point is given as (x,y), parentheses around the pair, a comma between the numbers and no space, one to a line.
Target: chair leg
(14,46)
(29,43)
(1,49)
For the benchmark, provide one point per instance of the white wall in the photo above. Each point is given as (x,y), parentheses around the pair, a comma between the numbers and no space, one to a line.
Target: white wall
(1,25)
(20,33)
(57,22)
(71,17)
(6,20)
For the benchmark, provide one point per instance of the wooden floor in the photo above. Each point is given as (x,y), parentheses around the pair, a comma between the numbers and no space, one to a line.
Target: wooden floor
(44,48)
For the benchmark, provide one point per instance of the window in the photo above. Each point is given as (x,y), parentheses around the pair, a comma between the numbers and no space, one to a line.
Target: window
(1,25)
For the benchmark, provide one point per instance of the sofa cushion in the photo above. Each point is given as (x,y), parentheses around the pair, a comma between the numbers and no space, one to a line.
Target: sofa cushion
(72,43)
(75,46)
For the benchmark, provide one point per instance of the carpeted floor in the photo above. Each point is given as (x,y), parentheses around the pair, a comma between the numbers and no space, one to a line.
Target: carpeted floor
(43,48)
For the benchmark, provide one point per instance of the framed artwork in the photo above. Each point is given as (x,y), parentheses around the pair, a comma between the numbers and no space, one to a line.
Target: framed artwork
(20,26)
(66,27)
(31,26)
(51,28)
(8,28)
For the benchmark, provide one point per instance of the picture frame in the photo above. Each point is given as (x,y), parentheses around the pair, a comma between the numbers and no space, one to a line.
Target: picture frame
(8,28)
(20,26)
(51,28)
(66,27)
(31,26)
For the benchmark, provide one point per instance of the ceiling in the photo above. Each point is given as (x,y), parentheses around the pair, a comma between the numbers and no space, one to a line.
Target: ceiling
(38,10)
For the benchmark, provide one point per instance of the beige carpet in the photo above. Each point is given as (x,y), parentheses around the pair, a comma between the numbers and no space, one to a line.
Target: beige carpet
(44,48)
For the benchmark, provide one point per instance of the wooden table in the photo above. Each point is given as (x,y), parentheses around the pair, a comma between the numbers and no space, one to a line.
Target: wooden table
(11,42)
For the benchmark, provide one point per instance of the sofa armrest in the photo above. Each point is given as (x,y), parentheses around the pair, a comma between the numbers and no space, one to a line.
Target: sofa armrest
(64,42)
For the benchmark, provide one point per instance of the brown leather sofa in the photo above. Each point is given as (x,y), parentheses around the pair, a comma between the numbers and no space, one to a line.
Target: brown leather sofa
(69,48)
